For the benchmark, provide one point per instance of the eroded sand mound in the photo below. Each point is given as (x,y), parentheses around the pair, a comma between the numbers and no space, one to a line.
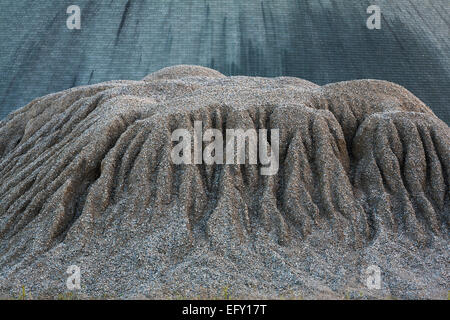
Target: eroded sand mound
(363,179)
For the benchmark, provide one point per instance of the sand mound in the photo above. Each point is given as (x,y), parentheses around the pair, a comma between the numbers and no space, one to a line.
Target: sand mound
(87,180)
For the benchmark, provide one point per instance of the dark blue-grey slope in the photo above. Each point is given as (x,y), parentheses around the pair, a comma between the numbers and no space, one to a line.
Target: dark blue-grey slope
(321,41)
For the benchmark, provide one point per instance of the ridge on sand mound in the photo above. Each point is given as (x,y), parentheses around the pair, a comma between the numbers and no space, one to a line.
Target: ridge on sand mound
(87,180)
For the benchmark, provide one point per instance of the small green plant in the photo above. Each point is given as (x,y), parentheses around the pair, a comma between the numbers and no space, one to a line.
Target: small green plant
(179,296)
(347,295)
(225,293)
(23,294)
(65,296)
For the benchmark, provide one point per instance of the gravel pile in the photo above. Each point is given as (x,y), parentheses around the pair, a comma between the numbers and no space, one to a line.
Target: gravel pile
(86,179)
